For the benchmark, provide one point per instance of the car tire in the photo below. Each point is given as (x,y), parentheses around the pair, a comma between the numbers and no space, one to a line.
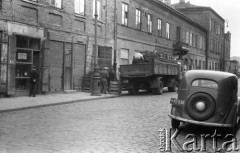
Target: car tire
(175,123)
(194,112)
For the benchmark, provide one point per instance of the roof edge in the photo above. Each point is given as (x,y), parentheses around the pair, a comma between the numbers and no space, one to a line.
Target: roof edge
(202,8)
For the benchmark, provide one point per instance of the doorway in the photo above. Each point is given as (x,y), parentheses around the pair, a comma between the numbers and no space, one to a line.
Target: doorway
(68,70)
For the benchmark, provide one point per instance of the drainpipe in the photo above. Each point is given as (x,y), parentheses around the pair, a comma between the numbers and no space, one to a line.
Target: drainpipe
(207,50)
(115,37)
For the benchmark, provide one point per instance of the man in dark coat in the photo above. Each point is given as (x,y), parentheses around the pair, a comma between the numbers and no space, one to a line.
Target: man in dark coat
(33,81)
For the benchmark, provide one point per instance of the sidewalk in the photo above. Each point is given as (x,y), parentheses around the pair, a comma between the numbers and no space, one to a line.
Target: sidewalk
(25,102)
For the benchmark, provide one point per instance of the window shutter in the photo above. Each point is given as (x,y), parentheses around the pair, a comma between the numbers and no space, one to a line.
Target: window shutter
(11,66)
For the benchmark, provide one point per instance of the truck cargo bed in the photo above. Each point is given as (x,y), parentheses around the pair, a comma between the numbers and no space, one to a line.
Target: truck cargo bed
(148,69)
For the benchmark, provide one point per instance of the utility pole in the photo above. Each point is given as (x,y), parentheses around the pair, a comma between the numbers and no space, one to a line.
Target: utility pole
(95,91)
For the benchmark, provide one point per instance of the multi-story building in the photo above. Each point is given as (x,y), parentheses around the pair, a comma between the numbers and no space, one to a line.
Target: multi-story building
(57,36)
(154,26)
(214,23)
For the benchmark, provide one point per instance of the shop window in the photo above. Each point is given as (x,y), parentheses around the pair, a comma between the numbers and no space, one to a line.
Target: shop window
(104,56)
(124,56)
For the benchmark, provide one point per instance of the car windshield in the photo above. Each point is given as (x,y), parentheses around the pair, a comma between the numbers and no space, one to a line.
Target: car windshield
(205,83)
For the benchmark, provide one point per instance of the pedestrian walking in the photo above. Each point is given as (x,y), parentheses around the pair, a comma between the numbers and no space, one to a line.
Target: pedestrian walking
(33,81)
(104,79)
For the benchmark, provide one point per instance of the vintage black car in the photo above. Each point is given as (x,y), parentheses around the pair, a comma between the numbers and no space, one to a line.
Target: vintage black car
(207,98)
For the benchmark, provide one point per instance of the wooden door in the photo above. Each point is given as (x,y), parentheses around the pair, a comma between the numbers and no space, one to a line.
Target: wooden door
(56,66)
(67,70)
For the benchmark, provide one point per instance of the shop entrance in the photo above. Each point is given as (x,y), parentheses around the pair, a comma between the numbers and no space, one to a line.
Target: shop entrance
(27,55)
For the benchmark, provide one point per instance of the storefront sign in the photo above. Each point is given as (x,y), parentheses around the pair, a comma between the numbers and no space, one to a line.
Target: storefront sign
(22,56)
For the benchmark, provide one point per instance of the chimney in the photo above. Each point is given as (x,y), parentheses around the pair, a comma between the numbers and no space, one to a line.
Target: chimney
(181,1)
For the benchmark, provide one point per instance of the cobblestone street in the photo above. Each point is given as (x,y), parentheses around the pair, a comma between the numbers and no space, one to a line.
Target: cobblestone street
(127,124)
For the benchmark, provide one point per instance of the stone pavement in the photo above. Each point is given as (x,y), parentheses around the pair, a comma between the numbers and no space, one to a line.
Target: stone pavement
(25,102)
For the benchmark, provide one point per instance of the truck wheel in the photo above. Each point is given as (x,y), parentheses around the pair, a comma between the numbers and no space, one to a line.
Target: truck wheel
(159,90)
(175,123)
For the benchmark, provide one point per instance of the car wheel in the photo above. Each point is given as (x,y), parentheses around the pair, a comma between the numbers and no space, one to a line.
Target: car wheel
(175,123)
(200,106)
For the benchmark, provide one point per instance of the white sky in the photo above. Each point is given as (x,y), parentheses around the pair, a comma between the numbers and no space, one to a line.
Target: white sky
(228,10)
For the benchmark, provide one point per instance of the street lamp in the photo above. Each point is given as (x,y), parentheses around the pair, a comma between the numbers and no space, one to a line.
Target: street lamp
(95,82)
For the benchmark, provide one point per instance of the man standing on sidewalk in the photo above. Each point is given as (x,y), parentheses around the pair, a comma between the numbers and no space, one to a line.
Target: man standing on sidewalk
(33,81)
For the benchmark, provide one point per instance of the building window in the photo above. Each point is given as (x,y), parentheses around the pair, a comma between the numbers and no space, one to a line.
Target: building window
(200,42)
(220,48)
(104,56)
(168,30)
(190,38)
(204,44)
(211,45)
(159,27)
(149,21)
(218,29)
(138,19)
(98,9)
(56,3)
(196,40)
(187,37)
(124,56)
(210,25)
(80,6)
(124,14)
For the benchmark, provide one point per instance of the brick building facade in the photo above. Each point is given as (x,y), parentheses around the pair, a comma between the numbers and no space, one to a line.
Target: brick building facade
(217,59)
(57,36)
(154,26)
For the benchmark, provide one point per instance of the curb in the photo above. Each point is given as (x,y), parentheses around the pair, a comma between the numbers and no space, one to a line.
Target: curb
(57,103)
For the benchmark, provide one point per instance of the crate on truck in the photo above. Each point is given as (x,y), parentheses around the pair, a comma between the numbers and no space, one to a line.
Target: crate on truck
(152,72)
